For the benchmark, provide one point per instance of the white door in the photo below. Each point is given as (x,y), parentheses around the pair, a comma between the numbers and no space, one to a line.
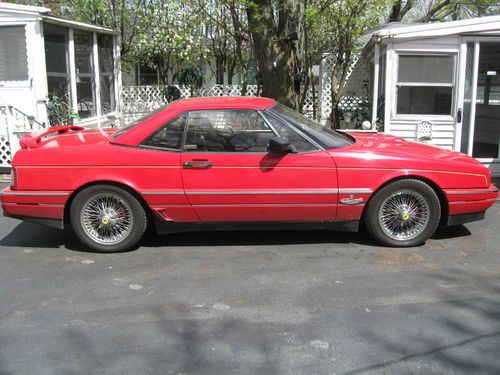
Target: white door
(480,136)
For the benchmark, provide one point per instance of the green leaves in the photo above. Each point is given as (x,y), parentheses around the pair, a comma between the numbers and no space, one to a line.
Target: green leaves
(191,75)
(59,111)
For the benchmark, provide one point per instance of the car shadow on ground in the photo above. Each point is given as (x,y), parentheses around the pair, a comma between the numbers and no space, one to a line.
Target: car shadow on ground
(39,236)
(451,232)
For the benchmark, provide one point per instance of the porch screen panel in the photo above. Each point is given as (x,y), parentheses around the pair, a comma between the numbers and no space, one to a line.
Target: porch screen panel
(85,83)
(13,57)
(56,61)
(469,66)
(425,84)
(106,73)
(486,138)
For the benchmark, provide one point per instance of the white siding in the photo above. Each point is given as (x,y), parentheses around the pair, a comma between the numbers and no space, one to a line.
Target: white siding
(28,95)
(443,131)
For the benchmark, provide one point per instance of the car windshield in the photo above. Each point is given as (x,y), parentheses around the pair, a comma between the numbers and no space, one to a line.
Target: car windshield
(136,122)
(323,135)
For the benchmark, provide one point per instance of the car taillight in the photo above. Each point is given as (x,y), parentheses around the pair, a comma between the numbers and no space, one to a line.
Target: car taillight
(13,179)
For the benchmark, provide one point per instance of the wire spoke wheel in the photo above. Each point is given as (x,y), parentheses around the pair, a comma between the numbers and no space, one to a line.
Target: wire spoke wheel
(404,215)
(106,218)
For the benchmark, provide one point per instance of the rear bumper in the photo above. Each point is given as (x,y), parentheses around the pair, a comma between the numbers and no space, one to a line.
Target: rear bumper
(37,206)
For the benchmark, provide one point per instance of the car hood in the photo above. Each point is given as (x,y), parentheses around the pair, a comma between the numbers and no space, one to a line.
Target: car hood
(396,148)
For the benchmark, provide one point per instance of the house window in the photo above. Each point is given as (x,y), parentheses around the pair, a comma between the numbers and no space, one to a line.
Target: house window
(13,58)
(146,75)
(106,75)
(56,61)
(85,83)
(425,84)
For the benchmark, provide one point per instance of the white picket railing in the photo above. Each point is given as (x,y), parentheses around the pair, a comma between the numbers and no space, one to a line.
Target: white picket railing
(13,125)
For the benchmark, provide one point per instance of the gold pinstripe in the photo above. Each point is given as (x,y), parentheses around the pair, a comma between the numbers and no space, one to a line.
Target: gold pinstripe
(415,170)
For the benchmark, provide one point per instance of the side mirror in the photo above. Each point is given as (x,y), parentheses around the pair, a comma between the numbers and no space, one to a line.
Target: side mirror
(281,146)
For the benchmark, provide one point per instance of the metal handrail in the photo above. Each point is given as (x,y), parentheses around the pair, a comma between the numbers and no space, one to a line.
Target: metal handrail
(31,119)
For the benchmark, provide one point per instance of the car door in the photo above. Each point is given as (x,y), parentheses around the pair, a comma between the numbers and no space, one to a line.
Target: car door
(229,176)
(161,184)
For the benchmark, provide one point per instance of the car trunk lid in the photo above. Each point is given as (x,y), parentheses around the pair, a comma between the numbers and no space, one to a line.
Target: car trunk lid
(58,136)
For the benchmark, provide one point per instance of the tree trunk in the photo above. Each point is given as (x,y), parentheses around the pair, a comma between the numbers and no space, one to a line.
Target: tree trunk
(273,52)
(230,70)
(219,70)
(398,11)
(334,118)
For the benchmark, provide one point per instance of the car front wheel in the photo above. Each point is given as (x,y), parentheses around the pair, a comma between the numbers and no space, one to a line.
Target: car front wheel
(403,213)
(107,218)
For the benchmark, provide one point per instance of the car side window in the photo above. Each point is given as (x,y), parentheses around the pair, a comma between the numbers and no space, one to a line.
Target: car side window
(227,131)
(169,135)
(300,143)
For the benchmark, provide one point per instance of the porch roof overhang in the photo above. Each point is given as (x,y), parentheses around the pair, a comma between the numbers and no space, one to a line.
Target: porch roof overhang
(68,22)
(480,25)
(22,9)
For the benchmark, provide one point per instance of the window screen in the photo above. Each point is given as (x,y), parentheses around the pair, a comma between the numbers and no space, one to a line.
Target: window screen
(13,58)
(227,131)
(106,76)
(56,61)
(430,69)
(425,84)
(85,92)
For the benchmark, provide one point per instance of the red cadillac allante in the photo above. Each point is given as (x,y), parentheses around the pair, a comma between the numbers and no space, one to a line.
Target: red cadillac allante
(239,163)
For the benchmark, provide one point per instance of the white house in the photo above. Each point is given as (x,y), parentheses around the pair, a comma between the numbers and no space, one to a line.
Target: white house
(41,54)
(439,82)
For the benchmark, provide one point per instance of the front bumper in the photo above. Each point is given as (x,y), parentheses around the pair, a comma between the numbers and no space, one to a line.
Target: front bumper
(468,201)
(468,205)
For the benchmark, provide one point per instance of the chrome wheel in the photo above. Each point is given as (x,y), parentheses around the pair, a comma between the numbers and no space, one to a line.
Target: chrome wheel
(106,218)
(404,215)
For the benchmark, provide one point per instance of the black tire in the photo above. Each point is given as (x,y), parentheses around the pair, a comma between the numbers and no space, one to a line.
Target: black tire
(133,218)
(376,221)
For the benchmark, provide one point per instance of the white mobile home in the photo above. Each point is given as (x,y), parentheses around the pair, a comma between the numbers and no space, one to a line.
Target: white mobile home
(439,82)
(41,54)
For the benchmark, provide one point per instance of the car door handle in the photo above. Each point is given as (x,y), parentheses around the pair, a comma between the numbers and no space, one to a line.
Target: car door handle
(198,164)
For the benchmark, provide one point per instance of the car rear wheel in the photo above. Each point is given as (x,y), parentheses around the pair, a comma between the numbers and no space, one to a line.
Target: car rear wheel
(403,213)
(108,219)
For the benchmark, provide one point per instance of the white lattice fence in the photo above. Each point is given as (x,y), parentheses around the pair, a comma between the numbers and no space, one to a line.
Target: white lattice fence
(5,153)
(137,101)
(355,88)
(352,103)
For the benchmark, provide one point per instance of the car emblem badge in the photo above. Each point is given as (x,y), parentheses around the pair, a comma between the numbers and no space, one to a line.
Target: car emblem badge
(351,200)
(105,220)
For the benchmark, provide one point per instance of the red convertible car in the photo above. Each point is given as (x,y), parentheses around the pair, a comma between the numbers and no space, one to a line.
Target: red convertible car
(239,163)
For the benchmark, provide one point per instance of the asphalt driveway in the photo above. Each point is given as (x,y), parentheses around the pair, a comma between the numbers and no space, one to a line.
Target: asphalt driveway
(251,303)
